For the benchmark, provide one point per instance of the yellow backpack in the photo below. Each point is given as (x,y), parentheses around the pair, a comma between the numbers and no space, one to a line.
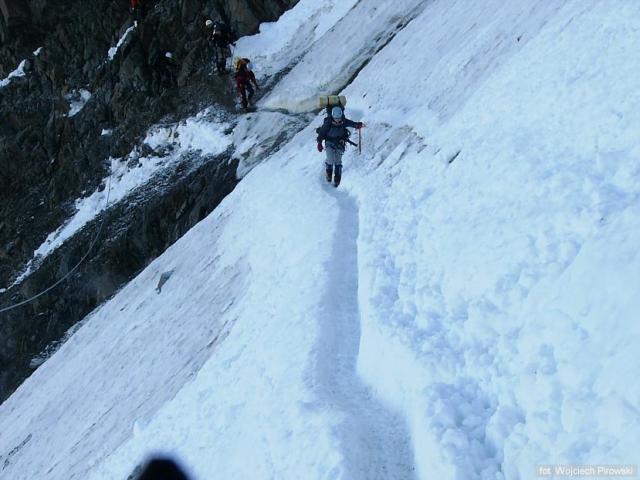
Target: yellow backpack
(238,62)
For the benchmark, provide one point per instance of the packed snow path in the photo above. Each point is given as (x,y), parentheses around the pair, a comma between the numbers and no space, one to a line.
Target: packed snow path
(374,441)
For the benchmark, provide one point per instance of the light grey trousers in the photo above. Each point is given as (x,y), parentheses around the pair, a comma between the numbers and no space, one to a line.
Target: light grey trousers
(334,154)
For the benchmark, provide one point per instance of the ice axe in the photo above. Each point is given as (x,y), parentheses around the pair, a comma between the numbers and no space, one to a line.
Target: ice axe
(360,139)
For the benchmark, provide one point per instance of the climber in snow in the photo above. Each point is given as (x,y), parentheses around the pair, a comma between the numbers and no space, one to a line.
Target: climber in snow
(335,135)
(221,38)
(244,80)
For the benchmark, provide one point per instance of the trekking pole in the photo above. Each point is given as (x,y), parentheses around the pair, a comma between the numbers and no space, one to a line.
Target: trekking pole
(360,141)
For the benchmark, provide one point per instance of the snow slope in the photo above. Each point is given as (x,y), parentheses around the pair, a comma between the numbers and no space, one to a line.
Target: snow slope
(497,276)
(462,307)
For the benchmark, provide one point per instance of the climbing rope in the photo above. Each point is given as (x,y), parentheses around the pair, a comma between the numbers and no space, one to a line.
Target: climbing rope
(70,272)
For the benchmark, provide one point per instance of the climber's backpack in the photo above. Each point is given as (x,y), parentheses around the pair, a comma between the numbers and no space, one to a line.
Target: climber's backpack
(328,102)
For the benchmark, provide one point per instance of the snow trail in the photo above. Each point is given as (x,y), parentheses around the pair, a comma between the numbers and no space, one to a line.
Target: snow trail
(374,441)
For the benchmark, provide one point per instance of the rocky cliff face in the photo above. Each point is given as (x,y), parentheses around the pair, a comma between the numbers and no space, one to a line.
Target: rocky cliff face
(50,155)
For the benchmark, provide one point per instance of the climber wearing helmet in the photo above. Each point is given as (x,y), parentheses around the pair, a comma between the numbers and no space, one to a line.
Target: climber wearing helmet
(221,38)
(335,135)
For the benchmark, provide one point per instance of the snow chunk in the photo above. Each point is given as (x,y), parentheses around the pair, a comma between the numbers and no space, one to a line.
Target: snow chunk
(114,50)
(77,100)
(200,133)
(18,72)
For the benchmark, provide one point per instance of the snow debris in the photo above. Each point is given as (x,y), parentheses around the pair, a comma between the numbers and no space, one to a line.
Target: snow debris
(18,72)
(77,100)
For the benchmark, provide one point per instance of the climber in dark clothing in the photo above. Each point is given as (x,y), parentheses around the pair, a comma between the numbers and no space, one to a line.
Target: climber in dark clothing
(244,79)
(335,135)
(137,9)
(164,72)
(221,38)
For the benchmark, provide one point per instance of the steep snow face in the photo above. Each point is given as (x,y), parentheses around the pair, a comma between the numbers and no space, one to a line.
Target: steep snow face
(334,59)
(244,409)
(496,262)
(281,43)
(461,307)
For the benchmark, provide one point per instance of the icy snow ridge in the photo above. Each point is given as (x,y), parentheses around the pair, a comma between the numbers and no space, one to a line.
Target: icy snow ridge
(18,72)
(111,54)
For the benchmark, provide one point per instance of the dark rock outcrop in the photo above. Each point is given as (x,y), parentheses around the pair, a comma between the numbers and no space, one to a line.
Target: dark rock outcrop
(48,158)
(13,14)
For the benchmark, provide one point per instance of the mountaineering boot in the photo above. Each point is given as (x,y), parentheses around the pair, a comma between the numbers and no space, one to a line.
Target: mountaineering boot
(329,171)
(338,176)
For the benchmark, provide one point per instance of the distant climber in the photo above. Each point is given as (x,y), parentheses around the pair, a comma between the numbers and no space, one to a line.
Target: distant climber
(244,80)
(335,135)
(137,10)
(164,72)
(221,38)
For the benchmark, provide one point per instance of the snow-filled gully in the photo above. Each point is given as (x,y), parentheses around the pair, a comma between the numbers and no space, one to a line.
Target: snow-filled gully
(374,441)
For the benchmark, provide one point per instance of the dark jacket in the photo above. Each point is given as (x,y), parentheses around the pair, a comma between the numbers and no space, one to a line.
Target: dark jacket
(221,35)
(336,133)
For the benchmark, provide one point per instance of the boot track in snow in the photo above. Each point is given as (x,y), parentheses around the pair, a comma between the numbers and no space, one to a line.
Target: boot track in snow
(374,440)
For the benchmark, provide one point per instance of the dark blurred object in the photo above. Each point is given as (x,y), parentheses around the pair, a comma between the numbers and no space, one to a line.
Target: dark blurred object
(162,469)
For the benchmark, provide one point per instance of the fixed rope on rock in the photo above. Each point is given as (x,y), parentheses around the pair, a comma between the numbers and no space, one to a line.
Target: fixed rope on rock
(75,267)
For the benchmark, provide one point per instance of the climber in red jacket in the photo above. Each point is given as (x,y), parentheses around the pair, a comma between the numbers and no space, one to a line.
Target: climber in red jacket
(244,79)
(137,9)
